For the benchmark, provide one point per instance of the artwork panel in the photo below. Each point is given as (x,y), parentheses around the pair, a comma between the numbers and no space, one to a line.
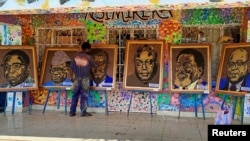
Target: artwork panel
(190,68)
(110,65)
(143,67)
(18,68)
(233,75)
(57,60)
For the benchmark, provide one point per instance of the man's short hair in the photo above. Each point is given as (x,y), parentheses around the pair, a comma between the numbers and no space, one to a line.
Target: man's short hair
(150,49)
(21,56)
(198,57)
(86,45)
(95,51)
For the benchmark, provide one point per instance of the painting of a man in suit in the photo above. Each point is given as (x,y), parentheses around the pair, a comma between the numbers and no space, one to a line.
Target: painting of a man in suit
(237,73)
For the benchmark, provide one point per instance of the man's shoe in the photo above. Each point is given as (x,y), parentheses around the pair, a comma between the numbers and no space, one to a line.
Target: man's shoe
(72,114)
(86,114)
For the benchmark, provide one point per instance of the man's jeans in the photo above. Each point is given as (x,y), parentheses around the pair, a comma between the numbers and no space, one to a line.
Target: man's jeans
(80,88)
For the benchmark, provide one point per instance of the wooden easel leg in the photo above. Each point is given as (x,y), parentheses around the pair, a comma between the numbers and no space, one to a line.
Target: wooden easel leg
(58,99)
(66,98)
(151,106)
(13,103)
(235,104)
(106,103)
(224,100)
(179,114)
(47,98)
(242,109)
(28,101)
(5,104)
(130,103)
(203,110)
(195,105)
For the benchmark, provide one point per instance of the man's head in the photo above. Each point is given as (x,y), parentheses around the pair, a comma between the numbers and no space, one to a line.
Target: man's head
(59,67)
(16,67)
(189,67)
(101,57)
(86,46)
(145,63)
(237,66)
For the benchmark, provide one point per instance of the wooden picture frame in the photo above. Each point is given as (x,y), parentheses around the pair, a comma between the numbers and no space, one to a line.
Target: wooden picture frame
(180,63)
(56,60)
(151,79)
(234,67)
(106,57)
(18,68)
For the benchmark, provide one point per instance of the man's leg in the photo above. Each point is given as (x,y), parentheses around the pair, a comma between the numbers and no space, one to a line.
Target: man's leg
(84,97)
(75,98)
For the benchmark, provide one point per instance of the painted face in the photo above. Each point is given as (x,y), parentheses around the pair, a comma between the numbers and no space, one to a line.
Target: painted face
(186,70)
(237,66)
(15,71)
(59,73)
(99,72)
(144,66)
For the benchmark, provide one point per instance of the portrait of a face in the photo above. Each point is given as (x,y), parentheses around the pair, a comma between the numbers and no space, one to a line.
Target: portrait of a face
(59,73)
(233,76)
(237,66)
(55,72)
(190,68)
(16,67)
(101,57)
(145,63)
(103,77)
(143,68)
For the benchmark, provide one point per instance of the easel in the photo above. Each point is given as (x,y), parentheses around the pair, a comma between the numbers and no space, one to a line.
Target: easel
(234,107)
(59,91)
(150,98)
(195,106)
(14,101)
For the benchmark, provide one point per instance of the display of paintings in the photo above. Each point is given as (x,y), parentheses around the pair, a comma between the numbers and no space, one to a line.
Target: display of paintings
(190,66)
(143,67)
(18,68)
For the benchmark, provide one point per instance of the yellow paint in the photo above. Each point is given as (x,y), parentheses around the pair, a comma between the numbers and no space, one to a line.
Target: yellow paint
(154,1)
(21,2)
(85,3)
(45,5)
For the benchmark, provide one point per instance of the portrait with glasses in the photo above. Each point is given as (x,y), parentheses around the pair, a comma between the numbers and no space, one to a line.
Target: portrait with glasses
(234,74)
(189,68)
(56,67)
(17,69)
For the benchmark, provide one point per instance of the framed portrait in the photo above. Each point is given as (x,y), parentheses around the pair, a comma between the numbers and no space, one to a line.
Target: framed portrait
(189,68)
(143,67)
(56,67)
(233,75)
(104,76)
(18,68)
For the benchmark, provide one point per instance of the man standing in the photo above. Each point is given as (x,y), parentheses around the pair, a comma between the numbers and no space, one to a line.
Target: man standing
(16,66)
(189,70)
(237,71)
(80,67)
